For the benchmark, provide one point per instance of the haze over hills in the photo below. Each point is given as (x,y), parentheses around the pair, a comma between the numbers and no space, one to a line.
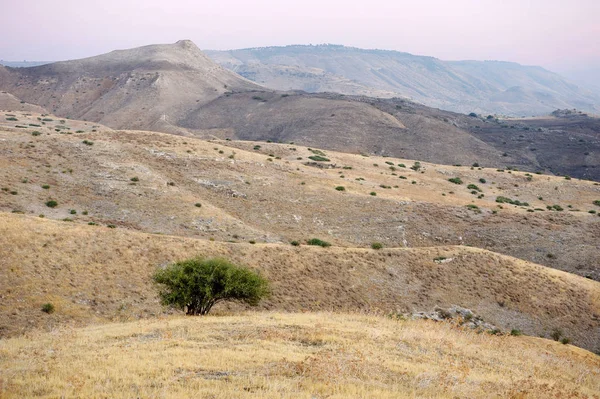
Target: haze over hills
(493,87)
(177,89)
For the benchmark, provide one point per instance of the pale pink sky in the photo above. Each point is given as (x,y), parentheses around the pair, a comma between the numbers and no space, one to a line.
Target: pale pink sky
(553,33)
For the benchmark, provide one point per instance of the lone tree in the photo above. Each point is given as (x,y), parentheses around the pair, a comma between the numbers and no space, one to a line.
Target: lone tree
(196,285)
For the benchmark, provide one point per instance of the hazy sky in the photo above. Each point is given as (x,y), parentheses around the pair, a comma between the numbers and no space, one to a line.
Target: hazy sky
(557,34)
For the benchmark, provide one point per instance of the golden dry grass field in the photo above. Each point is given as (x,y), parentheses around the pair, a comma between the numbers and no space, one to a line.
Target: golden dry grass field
(280,355)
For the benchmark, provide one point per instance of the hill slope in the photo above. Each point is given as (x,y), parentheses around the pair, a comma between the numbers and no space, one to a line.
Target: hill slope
(142,87)
(247,193)
(466,86)
(274,355)
(177,89)
(94,274)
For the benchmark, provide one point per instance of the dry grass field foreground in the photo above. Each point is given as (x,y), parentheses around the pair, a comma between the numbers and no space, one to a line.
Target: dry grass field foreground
(279,355)
(98,274)
(275,193)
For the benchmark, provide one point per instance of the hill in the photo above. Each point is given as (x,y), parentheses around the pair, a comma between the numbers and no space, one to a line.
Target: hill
(465,86)
(275,355)
(142,87)
(177,89)
(254,191)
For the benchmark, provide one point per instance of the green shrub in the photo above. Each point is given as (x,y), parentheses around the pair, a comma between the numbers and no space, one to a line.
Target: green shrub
(87,142)
(12,118)
(45,187)
(135,179)
(597,202)
(340,188)
(416,166)
(73,212)
(48,308)
(196,285)
(376,245)
(295,243)
(515,333)
(198,205)
(318,242)
(503,200)
(318,158)
(565,341)
(455,180)
(35,133)
(373,193)
(473,187)
(51,204)
(482,180)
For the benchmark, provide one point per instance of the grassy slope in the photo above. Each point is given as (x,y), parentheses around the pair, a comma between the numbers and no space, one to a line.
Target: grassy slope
(276,355)
(98,274)
(255,196)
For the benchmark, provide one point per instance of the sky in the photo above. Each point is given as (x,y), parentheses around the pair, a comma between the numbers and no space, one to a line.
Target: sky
(556,34)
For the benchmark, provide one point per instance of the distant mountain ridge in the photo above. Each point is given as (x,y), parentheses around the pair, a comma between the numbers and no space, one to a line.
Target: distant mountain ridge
(495,87)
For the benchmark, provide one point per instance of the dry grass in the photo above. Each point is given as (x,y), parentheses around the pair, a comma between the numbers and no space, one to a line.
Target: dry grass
(275,355)
(248,197)
(96,274)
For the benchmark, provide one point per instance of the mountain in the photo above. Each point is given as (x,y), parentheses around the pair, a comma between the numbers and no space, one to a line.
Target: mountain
(175,88)
(466,86)
(145,87)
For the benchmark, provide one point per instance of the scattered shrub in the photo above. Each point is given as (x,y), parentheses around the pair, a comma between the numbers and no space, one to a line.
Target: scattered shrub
(51,204)
(318,242)
(135,179)
(198,205)
(376,245)
(515,333)
(340,188)
(318,158)
(48,308)
(503,200)
(87,142)
(295,243)
(373,193)
(455,180)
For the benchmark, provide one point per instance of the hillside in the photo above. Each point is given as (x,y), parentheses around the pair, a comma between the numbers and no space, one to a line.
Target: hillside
(275,355)
(177,89)
(142,87)
(466,86)
(255,191)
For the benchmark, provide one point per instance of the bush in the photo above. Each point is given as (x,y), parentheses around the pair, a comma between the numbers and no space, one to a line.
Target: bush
(473,187)
(455,180)
(506,200)
(376,245)
(340,188)
(318,158)
(515,333)
(295,243)
(51,204)
(597,202)
(198,205)
(134,179)
(565,341)
(196,285)
(318,242)
(373,193)
(48,308)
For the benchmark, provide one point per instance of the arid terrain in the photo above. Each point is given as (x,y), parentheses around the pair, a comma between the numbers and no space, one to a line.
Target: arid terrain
(281,355)
(176,88)
(222,196)
(461,86)
(115,166)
